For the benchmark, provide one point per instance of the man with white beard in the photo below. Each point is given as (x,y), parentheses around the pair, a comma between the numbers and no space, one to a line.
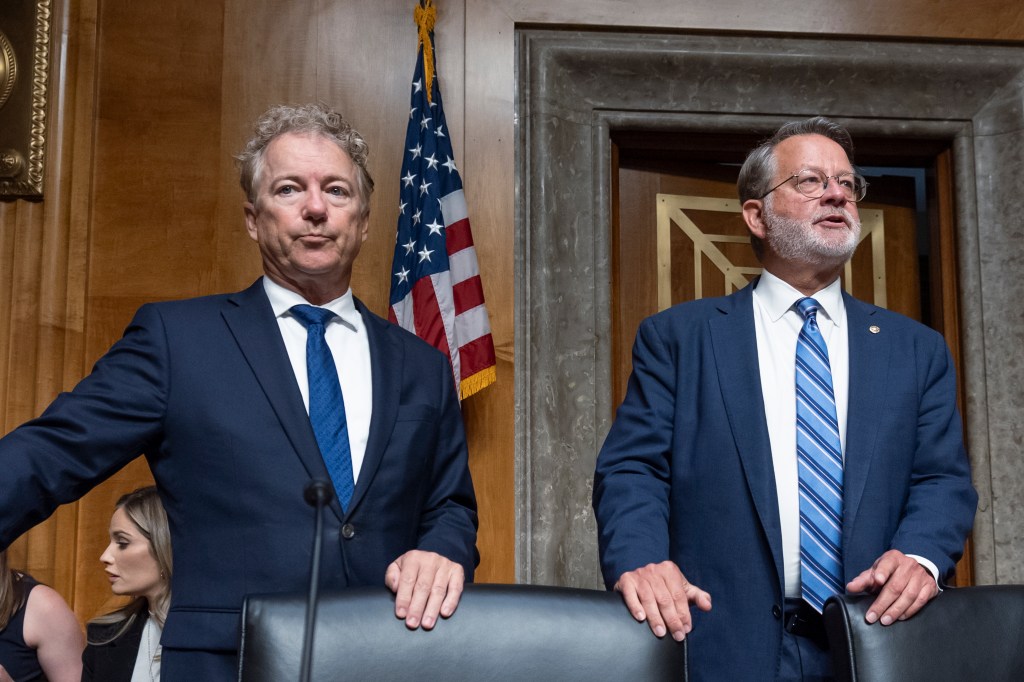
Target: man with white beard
(785,443)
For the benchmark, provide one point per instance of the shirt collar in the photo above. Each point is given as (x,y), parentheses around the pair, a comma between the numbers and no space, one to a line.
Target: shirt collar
(778,297)
(282,300)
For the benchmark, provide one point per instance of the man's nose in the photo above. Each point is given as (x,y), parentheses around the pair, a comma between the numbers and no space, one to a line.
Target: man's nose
(314,208)
(834,193)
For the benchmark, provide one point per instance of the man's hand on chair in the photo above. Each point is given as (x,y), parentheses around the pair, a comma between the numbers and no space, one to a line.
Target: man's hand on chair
(426,585)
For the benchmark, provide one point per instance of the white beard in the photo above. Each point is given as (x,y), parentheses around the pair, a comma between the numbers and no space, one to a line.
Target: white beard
(797,241)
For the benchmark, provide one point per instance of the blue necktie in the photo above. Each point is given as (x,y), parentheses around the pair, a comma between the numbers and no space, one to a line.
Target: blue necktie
(326,404)
(819,463)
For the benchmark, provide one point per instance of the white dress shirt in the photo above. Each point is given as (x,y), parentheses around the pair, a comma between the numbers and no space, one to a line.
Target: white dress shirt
(350,347)
(777,325)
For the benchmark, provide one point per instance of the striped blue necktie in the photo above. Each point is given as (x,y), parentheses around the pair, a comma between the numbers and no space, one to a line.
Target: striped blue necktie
(326,404)
(819,463)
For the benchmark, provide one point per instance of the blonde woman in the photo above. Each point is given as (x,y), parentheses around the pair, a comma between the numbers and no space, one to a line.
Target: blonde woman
(125,645)
(40,639)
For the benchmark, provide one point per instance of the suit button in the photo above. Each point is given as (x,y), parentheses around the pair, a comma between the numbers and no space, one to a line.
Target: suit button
(777,611)
(348,531)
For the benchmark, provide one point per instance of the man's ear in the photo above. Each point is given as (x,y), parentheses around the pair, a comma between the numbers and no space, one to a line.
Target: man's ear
(250,220)
(753,216)
(364,229)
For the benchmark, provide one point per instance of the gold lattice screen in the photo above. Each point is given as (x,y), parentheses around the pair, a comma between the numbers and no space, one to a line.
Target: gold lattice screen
(704,249)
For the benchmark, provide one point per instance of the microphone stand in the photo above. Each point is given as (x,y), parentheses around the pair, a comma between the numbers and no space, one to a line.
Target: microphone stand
(318,494)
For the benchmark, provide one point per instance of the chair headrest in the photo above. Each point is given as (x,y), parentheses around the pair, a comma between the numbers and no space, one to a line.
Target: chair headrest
(967,633)
(498,632)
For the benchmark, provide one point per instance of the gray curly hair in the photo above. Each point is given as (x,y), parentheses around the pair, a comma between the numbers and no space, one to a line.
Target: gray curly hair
(317,119)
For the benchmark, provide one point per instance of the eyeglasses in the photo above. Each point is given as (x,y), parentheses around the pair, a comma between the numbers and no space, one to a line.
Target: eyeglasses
(813,184)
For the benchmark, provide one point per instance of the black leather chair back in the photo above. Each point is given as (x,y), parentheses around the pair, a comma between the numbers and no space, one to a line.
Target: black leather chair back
(499,632)
(964,634)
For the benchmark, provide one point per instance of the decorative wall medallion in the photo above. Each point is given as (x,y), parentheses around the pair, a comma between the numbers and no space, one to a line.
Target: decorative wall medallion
(8,69)
(11,163)
(24,77)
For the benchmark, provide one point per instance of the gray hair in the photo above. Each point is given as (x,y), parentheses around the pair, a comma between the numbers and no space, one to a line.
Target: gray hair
(755,178)
(317,119)
(759,168)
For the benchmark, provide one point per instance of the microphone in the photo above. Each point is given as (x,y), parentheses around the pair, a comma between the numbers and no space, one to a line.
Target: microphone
(318,494)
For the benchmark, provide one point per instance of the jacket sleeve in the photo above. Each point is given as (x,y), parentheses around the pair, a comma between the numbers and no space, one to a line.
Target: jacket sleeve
(940,506)
(111,417)
(448,523)
(632,477)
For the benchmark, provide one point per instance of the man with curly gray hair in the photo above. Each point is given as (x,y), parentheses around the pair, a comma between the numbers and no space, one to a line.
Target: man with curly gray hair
(239,401)
(313,119)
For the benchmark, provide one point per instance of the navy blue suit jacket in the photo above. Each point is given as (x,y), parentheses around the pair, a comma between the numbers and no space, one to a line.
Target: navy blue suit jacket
(686,472)
(204,388)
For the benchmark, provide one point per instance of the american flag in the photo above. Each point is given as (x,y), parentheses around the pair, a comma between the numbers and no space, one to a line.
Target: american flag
(435,285)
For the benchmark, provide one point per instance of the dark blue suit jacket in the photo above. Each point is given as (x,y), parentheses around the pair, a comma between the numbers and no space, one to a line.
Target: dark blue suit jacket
(686,471)
(204,388)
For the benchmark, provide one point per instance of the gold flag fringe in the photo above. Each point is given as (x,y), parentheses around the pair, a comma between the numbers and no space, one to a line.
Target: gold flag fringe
(426,15)
(477,382)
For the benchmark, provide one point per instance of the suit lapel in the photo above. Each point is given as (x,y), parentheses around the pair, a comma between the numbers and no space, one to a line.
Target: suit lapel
(116,659)
(386,361)
(735,349)
(869,362)
(252,323)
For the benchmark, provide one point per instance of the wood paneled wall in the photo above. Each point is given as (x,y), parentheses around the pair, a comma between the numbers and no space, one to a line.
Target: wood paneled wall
(150,99)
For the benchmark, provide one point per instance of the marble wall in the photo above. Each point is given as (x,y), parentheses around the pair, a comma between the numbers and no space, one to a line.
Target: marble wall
(576,88)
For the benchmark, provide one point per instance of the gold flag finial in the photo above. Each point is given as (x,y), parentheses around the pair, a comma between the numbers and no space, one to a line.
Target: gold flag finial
(426,15)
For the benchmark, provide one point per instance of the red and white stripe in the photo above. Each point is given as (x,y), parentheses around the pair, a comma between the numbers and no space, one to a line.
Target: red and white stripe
(447,309)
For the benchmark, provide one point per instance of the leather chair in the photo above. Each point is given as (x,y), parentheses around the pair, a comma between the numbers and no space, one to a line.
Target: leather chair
(498,632)
(967,633)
